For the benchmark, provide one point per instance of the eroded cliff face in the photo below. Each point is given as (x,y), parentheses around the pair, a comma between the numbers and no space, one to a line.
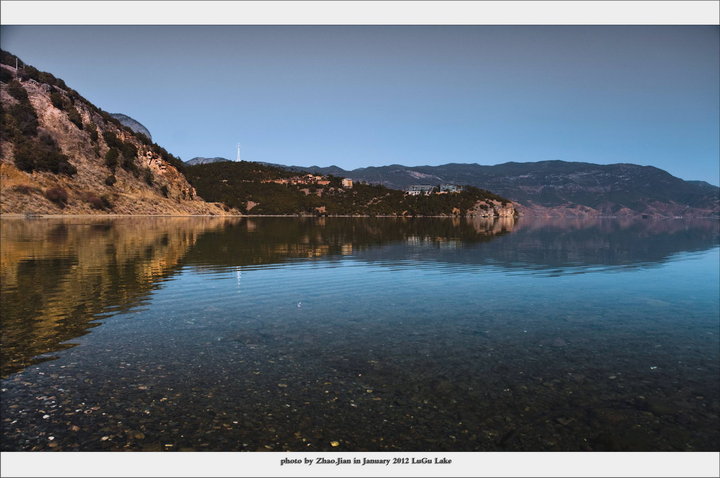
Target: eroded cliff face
(140,182)
(493,208)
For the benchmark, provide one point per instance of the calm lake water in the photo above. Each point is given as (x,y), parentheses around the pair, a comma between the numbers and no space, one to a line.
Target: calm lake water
(360,334)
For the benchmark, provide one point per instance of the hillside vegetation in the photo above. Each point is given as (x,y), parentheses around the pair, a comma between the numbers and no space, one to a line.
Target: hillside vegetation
(61,154)
(247,187)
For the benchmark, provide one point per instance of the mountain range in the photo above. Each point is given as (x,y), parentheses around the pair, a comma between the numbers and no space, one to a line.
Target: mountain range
(60,154)
(559,188)
(200,160)
(132,123)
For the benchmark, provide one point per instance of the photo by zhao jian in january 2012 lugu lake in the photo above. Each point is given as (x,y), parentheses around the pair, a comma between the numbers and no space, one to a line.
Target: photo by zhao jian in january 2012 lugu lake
(353,334)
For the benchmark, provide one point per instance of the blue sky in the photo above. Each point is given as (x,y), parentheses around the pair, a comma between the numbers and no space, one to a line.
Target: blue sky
(359,96)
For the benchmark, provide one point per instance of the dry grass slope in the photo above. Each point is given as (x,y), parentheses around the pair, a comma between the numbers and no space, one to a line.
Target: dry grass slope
(147,185)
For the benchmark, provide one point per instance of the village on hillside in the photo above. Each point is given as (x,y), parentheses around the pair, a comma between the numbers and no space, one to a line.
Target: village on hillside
(309,179)
(318,180)
(427,189)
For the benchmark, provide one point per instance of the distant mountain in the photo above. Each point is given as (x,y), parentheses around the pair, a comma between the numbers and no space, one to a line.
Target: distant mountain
(199,160)
(61,154)
(131,123)
(558,187)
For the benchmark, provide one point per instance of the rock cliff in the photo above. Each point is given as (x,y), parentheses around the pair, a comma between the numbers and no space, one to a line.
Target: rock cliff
(60,154)
(493,208)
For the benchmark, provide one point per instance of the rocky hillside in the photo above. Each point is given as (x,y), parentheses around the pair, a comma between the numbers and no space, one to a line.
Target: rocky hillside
(559,187)
(60,154)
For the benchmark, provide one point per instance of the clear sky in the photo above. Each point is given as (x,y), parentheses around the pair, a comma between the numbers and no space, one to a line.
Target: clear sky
(359,96)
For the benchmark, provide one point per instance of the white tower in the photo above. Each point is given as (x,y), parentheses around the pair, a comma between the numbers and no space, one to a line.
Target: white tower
(237,157)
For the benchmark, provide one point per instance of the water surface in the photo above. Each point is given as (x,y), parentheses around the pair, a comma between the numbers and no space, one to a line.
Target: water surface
(359,334)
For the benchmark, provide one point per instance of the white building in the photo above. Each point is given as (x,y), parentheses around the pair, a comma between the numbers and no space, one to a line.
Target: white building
(419,189)
(450,188)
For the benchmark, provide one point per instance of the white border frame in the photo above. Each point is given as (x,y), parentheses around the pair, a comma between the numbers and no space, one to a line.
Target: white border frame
(531,12)
(532,464)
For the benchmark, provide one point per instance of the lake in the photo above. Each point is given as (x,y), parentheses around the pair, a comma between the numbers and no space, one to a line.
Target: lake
(380,334)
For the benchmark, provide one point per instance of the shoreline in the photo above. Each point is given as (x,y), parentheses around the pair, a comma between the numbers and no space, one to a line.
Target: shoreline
(589,216)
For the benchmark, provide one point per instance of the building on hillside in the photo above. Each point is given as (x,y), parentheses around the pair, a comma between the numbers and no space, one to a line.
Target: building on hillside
(347,183)
(419,189)
(450,188)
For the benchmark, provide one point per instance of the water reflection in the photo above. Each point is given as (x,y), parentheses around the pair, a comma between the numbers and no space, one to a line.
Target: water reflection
(381,334)
(277,240)
(554,246)
(60,275)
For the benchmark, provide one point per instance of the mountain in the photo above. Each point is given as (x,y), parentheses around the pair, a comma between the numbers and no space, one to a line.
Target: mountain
(259,188)
(61,154)
(133,124)
(559,187)
(199,160)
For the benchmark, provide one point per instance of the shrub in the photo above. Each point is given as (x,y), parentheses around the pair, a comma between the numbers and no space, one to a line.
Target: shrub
(92,131)
(31,72)
(25,189)
(57,100)
(164,190)
(107,204)
(7,58)
(111,139)
(44,138)
(24,118)
(64,167)
(111,158)
(143,139)
(148,176)
(5,75)
(110,119)
(96,202)
(57,195)
(24,157)
(75,118)
(128,164)
(16,90)
(37,156)
(128,150)
(110,180)
(45,77)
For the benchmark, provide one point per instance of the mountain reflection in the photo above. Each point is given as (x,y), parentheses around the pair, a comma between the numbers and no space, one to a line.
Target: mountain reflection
(558,245)
(60,275)
(274,240)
